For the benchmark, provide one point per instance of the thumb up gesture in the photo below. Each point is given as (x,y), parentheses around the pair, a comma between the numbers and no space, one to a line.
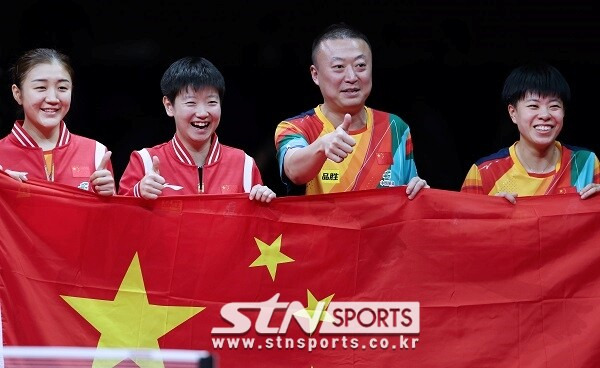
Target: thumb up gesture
(152,184)
(338,144)
(102,180)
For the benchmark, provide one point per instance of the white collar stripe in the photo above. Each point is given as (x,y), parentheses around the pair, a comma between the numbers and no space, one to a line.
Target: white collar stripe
(175,148)
(67,137)
(218,153)
(181,154)
(214,153)
(64,136)
(19,132)
(61,140)
(14,132)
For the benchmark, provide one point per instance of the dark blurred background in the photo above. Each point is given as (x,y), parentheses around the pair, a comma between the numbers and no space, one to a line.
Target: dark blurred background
(439,65)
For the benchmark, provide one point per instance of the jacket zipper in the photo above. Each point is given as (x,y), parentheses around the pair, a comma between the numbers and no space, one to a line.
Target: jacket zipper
(200,181)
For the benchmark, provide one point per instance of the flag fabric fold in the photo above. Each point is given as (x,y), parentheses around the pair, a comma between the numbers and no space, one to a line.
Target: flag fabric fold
(498,285)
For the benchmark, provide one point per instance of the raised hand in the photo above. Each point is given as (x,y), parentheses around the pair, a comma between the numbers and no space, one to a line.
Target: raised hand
(152,184)
(102,180)
(338,144)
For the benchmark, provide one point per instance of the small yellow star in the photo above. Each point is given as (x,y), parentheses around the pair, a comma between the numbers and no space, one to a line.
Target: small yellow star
(129,321)
(311,309)
(270,256)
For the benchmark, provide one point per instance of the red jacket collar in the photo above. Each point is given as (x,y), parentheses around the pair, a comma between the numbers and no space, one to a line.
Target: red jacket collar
(182,154)
(23,138)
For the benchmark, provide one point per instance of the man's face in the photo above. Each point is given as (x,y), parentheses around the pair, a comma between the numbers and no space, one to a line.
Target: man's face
(342,70)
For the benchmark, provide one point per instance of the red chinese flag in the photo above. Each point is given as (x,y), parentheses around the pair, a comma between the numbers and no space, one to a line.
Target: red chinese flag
(498,285)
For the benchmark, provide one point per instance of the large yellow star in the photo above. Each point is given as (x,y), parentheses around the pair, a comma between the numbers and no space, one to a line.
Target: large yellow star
(129,321)
(311,309)
(270,255)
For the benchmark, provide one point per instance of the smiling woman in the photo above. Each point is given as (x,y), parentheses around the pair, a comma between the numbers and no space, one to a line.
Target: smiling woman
(40,146)
(537,164)
(193,161)
(428,60)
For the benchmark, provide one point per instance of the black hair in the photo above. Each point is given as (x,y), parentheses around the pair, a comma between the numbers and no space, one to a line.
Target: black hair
(193,71)
(337,31)
(34,57)
(538,78)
